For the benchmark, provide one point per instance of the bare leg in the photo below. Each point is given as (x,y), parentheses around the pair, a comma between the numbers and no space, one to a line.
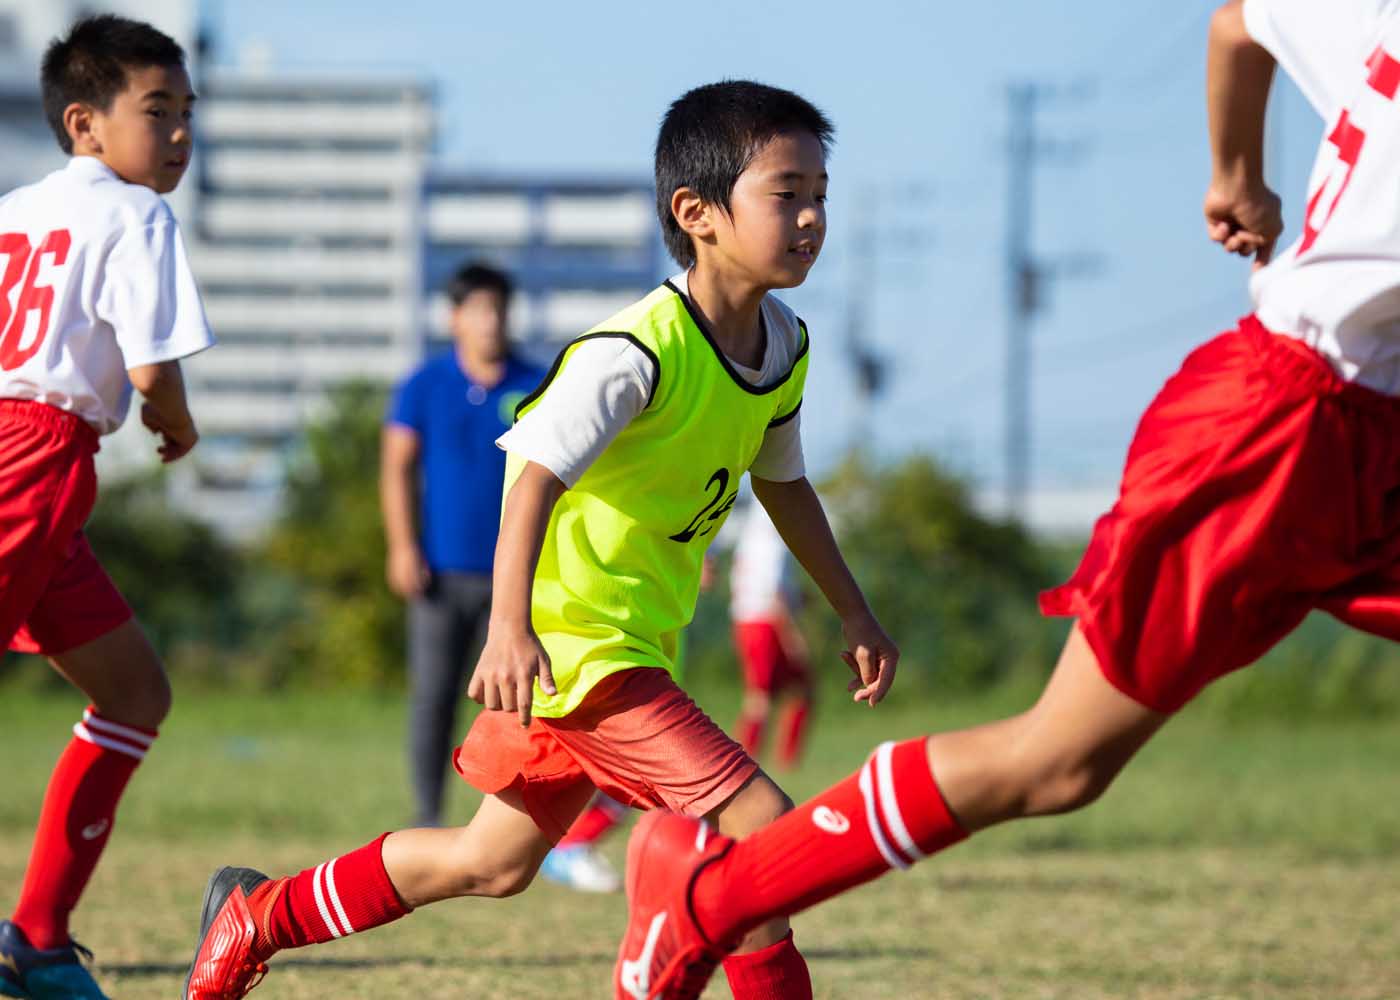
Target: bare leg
(496,854)
(1059,756)
(121,674)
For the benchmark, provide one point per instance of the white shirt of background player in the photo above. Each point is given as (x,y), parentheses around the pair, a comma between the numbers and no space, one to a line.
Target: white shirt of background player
(1338,287)
(761,585)
(608,381)
(123,294)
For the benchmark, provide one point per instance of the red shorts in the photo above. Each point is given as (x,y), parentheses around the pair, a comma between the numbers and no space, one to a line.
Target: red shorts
(637,737)
(54,595)
(767,665)
(1259,486)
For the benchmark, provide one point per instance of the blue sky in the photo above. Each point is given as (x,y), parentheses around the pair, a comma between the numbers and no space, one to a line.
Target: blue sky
(917,92)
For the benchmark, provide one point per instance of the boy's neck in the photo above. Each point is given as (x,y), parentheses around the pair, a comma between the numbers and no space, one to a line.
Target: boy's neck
(732,311)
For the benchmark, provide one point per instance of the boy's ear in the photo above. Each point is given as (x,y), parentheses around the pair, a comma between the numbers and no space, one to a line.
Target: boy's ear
(78,122)
(692,213)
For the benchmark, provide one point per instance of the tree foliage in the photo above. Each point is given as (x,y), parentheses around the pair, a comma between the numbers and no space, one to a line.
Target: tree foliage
(954,588)
(330,541)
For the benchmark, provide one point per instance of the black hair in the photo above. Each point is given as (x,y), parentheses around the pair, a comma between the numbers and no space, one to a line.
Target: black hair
(709,137)
(90,65)
(475,276)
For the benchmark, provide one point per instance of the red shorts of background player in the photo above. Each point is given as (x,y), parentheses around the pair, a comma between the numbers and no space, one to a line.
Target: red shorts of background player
(54,596)
(1259,486)
(637,737)
(767,665)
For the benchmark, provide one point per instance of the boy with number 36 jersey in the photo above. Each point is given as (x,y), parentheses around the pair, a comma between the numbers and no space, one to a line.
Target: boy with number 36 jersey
(621,469)
(1263,483)
(95,296)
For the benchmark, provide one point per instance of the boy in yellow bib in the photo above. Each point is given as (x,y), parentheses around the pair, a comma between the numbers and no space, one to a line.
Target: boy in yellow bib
(621,468)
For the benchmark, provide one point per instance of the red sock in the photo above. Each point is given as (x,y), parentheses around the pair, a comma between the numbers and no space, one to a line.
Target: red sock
(345,895)
(597,819)
(750,733)
(794,727)
(75,822)
(778,972)
(887,815)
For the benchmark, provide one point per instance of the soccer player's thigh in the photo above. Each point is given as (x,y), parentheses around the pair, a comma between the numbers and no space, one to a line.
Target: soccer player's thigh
(1057,756)
(103,651)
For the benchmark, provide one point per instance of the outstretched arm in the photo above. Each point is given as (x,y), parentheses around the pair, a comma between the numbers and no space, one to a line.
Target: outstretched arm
(513,656)
(1242,214)
(799,518)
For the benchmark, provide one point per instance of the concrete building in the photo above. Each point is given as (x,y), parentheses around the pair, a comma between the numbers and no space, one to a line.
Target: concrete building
(579,247)
(307,246)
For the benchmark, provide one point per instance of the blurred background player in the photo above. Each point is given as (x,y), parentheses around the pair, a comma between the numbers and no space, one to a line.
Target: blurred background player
(95,296)
(763,601)
(1261,485)
(576,860)
(440,489)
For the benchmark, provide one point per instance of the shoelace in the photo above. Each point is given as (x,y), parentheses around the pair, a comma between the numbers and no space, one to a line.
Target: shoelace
(84,953)
(249,974)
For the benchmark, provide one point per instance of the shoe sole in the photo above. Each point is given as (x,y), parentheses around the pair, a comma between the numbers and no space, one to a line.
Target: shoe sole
(216,894)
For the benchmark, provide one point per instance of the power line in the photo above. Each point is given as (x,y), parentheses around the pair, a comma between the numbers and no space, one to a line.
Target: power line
(1027,274)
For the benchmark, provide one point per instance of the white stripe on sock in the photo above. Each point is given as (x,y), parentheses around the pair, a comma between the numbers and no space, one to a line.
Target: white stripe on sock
(889,801)
(84,733)
(321,901)
(873,821)
(335,898)
(95,721)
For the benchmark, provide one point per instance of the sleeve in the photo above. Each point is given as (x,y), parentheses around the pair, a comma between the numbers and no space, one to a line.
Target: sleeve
(150,298)
(601,386)
(1321,46)
(406,404)
(779,458)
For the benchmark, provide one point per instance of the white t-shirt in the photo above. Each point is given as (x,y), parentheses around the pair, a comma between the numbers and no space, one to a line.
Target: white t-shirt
(608,381)
(760,579)
(1338,287)
(95,281)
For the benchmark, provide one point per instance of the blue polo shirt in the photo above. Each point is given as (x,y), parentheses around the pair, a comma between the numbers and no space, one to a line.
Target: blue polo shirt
(457,422)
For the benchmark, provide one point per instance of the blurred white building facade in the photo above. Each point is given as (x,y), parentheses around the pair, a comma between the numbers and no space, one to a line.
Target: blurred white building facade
(322,234)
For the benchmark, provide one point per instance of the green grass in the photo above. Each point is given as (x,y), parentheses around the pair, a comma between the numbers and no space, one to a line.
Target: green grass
(1231,860)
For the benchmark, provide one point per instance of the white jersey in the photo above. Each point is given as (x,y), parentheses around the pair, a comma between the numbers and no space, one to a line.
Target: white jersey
(94,282)
(760,579)
(1338,287)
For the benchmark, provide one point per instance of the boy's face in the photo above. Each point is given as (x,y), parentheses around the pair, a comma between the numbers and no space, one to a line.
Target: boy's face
(146,135)
(479,324)
(777,212)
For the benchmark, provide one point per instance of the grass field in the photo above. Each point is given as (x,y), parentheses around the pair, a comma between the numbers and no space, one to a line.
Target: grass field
(1252,860)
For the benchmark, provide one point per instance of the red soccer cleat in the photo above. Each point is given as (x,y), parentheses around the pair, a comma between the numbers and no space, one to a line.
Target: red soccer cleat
(664,954)
(225,967)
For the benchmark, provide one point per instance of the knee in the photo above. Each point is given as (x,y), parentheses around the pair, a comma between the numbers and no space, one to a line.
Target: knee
(510,880)
(757,703)
(754,808)
(1068,786)
(145,702)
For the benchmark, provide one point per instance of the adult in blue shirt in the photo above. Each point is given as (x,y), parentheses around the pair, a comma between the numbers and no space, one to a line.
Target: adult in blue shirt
(440,488)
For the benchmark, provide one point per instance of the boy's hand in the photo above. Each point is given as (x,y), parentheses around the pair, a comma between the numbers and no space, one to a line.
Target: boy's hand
(871,655)
(505,674)
(1245,220)
(176,439)
(407,571)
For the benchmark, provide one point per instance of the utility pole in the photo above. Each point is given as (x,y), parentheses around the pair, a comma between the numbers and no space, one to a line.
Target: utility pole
(1027,275)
